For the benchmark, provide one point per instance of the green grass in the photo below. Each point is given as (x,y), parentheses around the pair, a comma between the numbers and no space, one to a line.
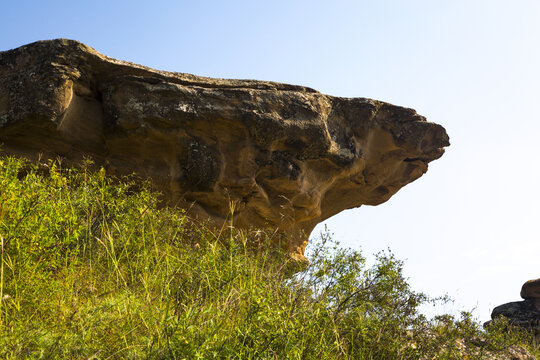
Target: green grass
(92,268)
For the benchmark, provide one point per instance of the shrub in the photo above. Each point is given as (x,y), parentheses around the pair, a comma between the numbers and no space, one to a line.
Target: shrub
(93,267)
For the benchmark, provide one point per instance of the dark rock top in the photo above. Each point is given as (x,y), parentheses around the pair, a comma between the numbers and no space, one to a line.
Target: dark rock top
(278,155)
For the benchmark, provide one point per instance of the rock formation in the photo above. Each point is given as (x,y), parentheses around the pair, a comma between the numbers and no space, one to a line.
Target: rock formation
(279,155)
(531,291)
(526,313)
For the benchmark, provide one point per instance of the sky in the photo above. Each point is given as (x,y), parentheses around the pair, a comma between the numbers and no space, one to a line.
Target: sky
(469,227)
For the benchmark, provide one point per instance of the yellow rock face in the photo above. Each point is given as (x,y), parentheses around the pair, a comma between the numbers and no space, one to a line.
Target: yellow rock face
(274,154)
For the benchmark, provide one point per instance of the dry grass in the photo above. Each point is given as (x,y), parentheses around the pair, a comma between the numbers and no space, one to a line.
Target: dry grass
(93,269)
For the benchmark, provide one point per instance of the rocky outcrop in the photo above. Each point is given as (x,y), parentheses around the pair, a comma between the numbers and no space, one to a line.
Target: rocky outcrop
(270,154)
(531,291)
(526,313)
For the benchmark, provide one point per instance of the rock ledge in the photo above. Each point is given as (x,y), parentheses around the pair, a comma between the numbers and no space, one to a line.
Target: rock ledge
(276,155)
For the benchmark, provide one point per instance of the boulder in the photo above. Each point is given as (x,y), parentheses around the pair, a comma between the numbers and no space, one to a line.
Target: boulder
(256,153)
(526,313)
(531,289)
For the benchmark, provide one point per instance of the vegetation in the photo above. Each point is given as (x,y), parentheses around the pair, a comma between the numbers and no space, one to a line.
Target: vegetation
(92,268)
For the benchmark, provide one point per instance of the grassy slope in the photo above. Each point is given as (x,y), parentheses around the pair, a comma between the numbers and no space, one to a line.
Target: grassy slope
(92,268)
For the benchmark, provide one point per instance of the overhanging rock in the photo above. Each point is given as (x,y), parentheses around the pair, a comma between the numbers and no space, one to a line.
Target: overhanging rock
(285,156)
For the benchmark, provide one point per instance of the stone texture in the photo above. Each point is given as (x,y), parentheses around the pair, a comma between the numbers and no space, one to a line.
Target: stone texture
(531,289)
(526,313)
(279,155)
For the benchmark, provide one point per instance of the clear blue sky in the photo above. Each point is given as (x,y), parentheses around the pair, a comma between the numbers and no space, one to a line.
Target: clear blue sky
(470,226)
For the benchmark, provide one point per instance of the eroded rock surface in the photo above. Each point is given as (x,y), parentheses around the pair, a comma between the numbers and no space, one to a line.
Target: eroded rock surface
(531,290)
(526,313)
(285,156)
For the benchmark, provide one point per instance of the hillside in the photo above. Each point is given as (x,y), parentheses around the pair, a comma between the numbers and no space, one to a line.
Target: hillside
(93,267)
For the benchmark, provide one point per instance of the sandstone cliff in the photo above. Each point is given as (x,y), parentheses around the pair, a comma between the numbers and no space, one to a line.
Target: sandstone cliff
(278,155)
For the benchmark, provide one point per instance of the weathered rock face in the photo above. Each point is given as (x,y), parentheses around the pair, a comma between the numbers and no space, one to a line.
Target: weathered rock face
(531,290)
(284,156)
(526,313)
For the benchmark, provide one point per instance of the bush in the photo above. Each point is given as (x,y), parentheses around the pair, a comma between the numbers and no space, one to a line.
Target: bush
(92,267)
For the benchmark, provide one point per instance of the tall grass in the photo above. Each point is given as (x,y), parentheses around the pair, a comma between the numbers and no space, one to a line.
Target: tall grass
(92,268)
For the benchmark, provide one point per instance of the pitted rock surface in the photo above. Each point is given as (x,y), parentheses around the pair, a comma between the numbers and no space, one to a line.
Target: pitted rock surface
(279,155)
